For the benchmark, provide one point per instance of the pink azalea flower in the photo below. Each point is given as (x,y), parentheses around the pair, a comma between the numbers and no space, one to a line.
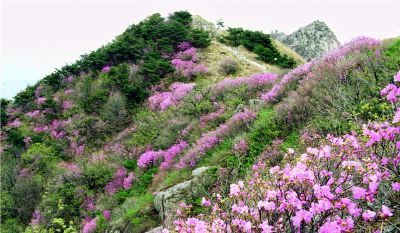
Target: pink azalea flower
(107,215)
(368,215)
(205,202)
(300,216)
(358,193)
(386,211)
(396,186)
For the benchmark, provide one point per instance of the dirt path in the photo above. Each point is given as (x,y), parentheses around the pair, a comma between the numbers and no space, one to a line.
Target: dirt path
(243,57)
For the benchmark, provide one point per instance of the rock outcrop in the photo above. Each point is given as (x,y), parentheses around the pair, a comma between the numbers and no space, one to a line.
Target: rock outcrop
(168,200)
(310,41)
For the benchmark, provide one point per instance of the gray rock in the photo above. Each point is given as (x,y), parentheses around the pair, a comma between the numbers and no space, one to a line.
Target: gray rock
(310,41)
(155,230)
(167,201)
(255,102)
(199,22)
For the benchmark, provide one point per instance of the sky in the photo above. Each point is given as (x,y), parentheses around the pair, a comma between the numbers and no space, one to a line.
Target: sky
(39,36)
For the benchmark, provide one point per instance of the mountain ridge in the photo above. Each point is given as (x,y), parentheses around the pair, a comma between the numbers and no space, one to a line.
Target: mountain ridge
(310,41)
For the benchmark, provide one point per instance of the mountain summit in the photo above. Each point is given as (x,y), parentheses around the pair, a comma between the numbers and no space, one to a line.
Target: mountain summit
(310,41)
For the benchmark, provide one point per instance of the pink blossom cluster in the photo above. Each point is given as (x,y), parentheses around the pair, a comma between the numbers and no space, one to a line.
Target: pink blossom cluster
(36,217)
(38,90)
(89,226)
(76,148)
(40,128)
(349,183)
(71,168)
(211,116)
(121,180)
(41,100)
(69,79)
(67,104)
(255,80)
(106,69)
(69,92)
(89,204)
(107,215)
(177,92)
(241,147)
(152,157)
(333,60)
(15,123)
(57,129)
(211,139)
(33,114)
(294,75)
(27,142)
(185,61)
(354,46)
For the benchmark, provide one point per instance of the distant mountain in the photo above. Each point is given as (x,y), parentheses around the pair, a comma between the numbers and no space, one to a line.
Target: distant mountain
(310,41)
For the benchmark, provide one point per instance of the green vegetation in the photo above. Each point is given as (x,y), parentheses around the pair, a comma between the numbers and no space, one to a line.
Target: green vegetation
(259,43)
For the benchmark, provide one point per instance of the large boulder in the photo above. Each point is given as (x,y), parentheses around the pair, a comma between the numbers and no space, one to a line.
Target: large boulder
(167,201)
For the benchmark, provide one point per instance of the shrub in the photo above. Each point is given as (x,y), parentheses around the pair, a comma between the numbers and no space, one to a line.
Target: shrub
(349,183)
(114,112)
(260,44)
(26,194)
(39,157)
(185,62)
(212,138)
(96,176)
(229,67)
(164,100)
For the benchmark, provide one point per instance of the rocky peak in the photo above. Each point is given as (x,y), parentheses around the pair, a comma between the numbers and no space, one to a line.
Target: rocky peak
(310,41)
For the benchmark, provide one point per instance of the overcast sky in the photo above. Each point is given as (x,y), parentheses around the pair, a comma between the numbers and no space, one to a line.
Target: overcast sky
(39,36)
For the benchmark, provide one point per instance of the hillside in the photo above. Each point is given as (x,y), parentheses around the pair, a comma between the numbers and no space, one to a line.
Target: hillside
(174,118)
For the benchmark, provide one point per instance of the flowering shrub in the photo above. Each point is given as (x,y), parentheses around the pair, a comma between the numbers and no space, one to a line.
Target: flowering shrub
(107,214)
(67,104)
(185,61)
(211,139)
(57,127)
(253,81)
(15,123)
(69,92)
(288,78)
(211,116)
(89,226)
(106,69)
(350,183)
(40,128)
(177,92)
(33,114)
(152,157)
(41,100)
(241,147)
(121,180)
(118,181)
(72,169)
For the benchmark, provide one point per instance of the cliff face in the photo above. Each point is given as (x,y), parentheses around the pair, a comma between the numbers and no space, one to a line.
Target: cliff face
(310,41)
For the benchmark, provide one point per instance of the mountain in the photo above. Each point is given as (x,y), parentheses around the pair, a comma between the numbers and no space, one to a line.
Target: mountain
(173,126)
(310,41)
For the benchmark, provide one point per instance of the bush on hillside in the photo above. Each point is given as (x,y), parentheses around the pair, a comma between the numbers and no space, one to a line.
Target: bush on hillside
(229,67)
(260,44)
(114,112)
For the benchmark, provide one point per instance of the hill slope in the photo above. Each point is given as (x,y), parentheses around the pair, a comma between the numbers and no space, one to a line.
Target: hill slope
(119,145)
